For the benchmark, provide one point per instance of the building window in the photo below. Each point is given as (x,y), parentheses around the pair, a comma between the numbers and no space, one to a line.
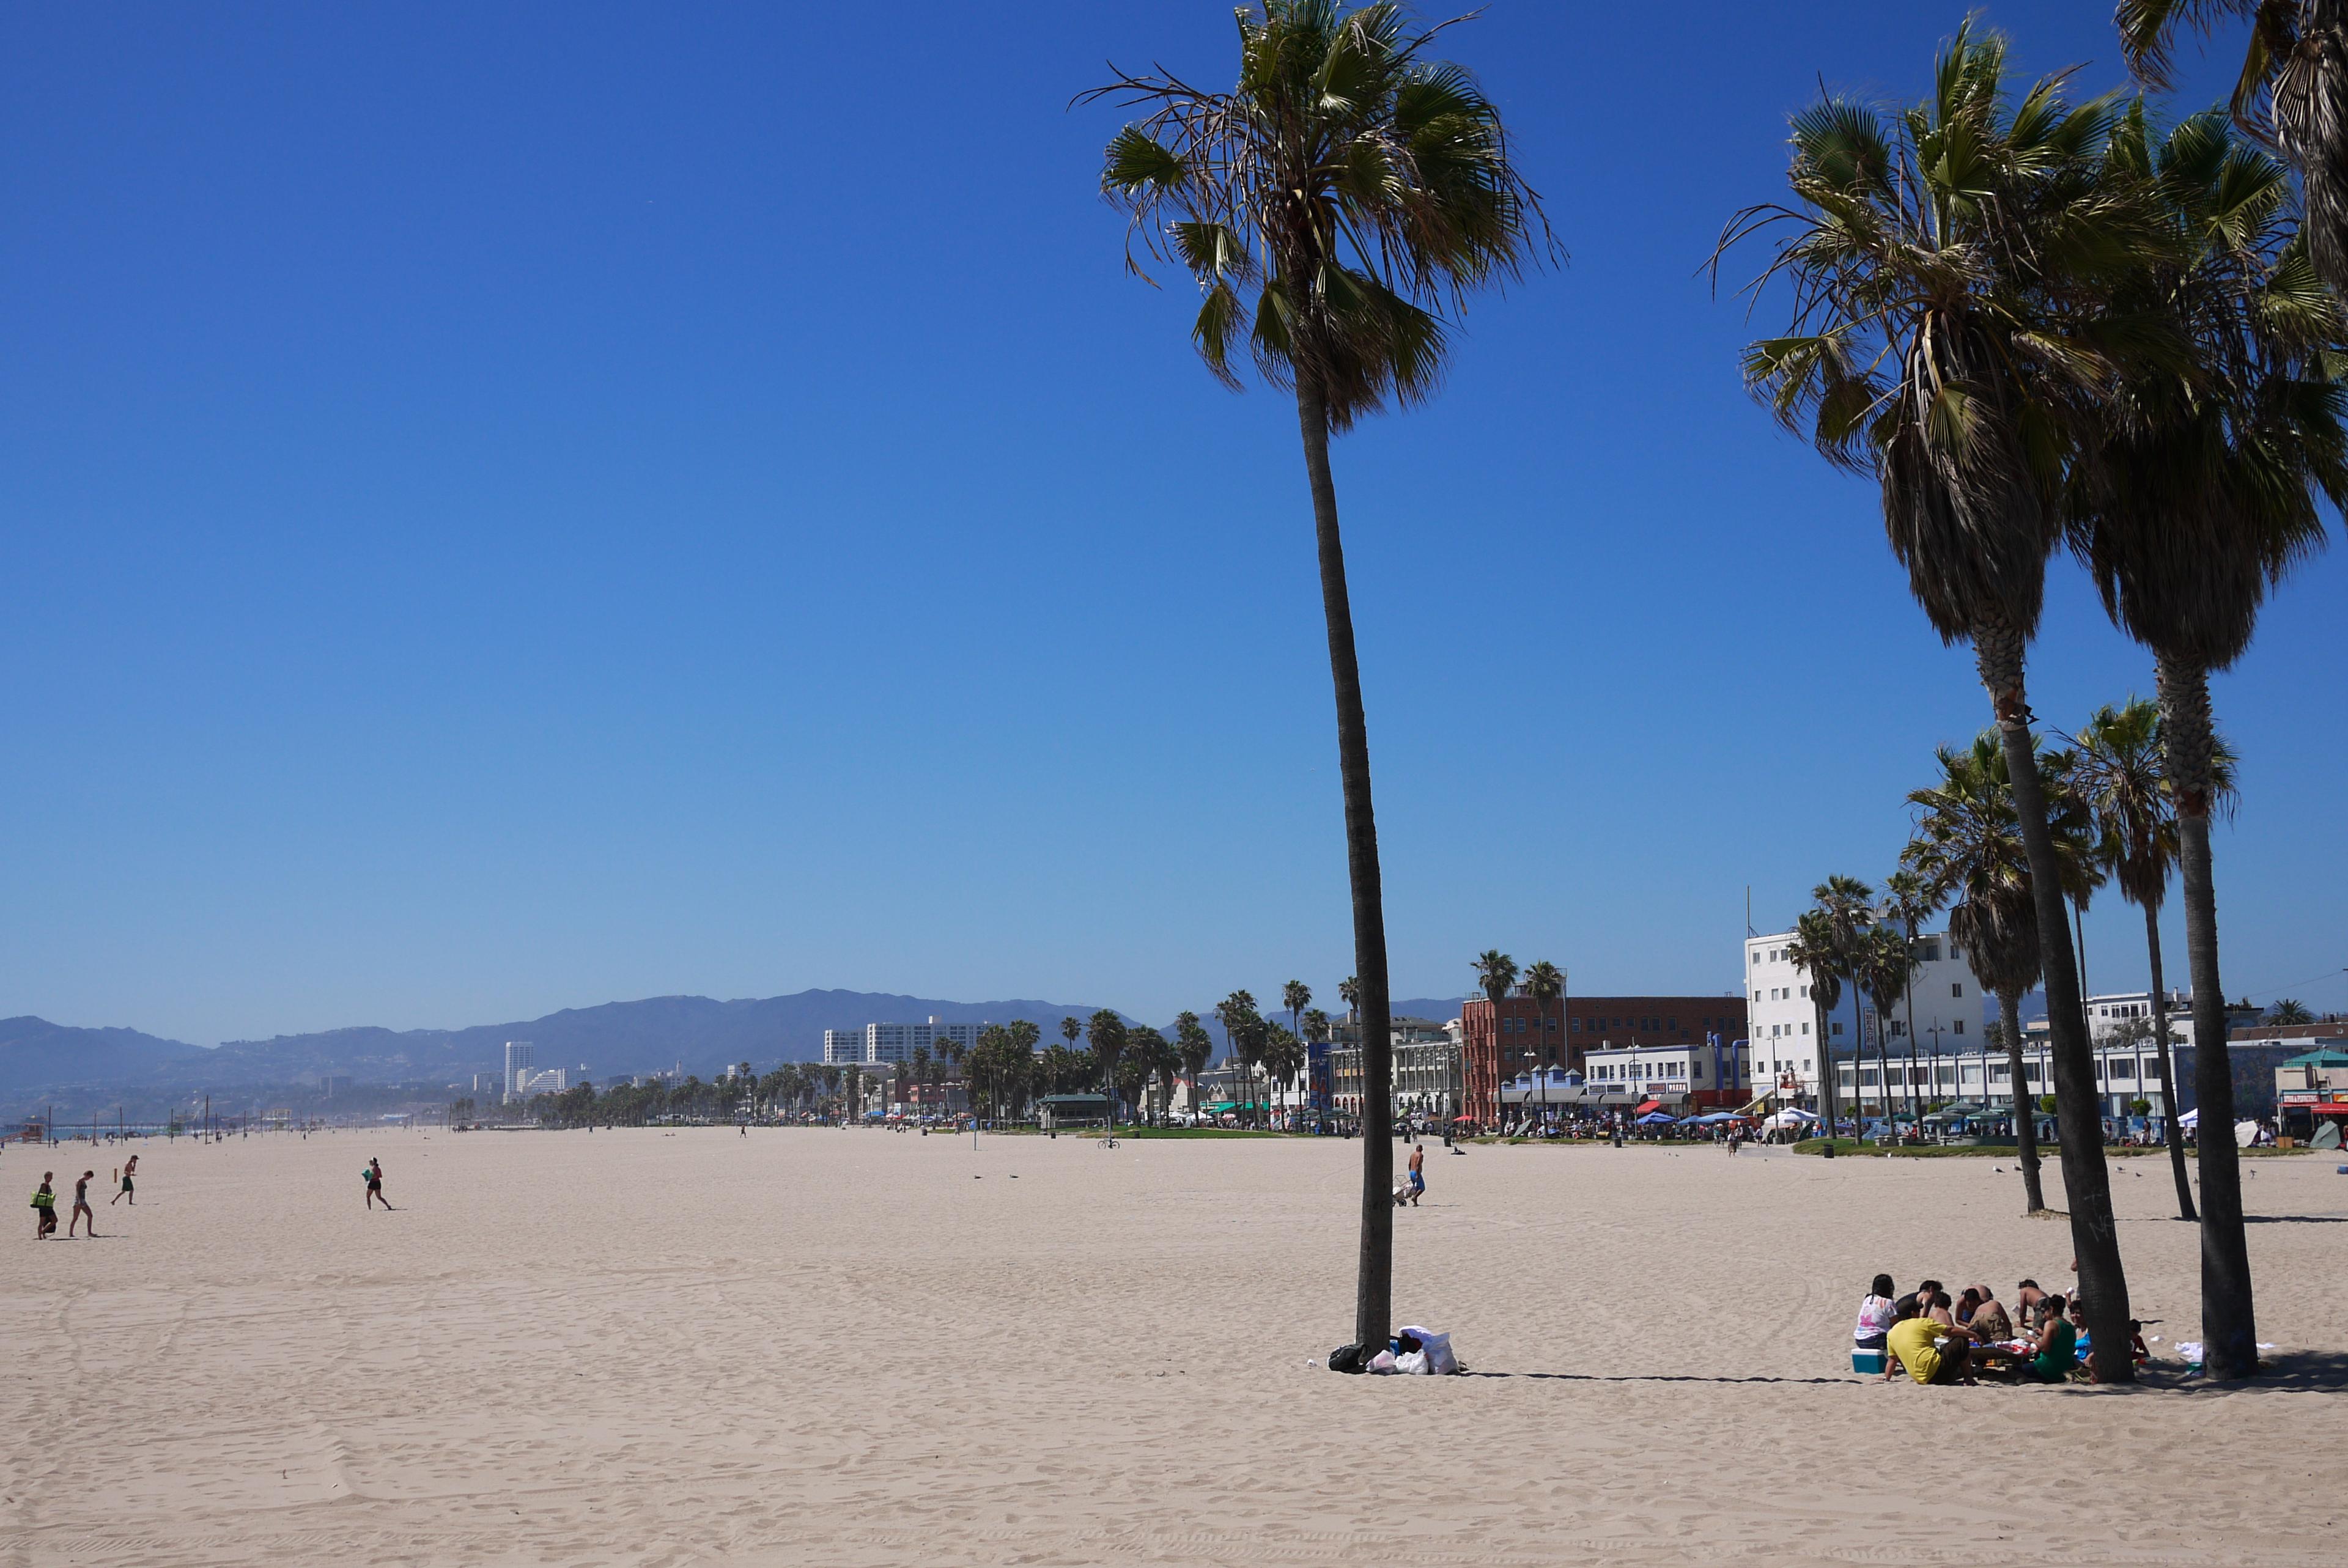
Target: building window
(1958,1026)
(1806,1029)
(1956,988)
(1837,1028)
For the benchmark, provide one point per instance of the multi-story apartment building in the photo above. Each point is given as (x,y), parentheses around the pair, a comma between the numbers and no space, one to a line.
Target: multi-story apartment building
(1426,1057)
(1943,998)
(1519,1034)
(2126,1072)
(893,1042)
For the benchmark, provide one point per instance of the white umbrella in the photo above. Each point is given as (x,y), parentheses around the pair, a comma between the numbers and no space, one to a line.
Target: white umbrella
(2190,1120)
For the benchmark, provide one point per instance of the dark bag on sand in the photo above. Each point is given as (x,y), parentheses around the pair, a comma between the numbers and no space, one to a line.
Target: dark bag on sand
(1346,1358)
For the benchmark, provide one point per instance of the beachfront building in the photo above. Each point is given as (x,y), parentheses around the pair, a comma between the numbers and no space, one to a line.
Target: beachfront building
(1518,1035)
(894,1042)
(1711,1075)
(1426,1057)
(1943,998)
(553,1080)
(2128,1073)
(520,1055)
(2312,1088)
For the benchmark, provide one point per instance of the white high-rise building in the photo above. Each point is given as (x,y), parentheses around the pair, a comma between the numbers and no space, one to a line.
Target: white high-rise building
(1945,998)
(520,1055)
(895,1041)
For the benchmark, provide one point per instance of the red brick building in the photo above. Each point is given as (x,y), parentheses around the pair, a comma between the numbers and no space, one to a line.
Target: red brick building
(1521,1034)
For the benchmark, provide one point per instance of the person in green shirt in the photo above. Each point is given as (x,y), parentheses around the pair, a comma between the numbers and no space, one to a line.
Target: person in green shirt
(2058,1346)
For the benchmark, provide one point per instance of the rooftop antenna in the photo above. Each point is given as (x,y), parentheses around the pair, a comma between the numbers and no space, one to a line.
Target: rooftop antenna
(1748,911)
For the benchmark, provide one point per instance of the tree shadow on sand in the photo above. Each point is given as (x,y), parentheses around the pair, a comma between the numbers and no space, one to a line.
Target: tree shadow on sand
(2292,1372)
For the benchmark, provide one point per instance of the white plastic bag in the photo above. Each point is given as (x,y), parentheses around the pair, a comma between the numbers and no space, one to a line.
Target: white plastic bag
(1440,1360)
(1383,1361)
(1414,1363)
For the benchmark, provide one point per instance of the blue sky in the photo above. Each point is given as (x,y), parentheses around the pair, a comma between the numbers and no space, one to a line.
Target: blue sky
(509,507)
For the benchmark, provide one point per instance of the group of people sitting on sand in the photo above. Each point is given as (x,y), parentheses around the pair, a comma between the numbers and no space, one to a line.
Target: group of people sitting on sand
(1936,1339)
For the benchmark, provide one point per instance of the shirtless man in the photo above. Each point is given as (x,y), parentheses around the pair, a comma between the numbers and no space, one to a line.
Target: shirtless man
(1417,1172)
(129,1168)
(81,1209)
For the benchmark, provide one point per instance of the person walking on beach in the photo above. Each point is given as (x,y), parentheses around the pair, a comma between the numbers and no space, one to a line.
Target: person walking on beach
(373,1175)
(81,1209)
(129,1168)
(45,1207)
(1417,1172)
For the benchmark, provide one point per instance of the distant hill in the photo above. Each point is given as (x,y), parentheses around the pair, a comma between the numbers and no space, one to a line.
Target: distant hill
(647,1036)
(33,1052)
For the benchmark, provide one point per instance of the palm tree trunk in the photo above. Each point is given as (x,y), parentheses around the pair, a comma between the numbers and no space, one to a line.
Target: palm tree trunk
(2025,1114)
(1374,1284)
(2229,1317)
(1826,1064)
(2086,1181)
(1909,1004)
(1883,1061)
(2171,1134)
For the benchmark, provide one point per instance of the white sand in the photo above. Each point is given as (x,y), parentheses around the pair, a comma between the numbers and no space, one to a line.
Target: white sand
(839,1347)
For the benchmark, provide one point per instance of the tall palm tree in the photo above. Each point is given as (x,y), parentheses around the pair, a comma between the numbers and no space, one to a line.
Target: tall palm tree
(1544,982)
(1908,902)
(1106,1034)
(1349,991)
(1817,953)
(2205,489)
(1070,1030)
(1194,1046)
(2293,89)
(2125,783)
(1968,848)
(1953,269)
(1360,190)
(1296,996)
(1496,972)
(1237,1013)
(1314,1028)
(1885,968)
(1848,905)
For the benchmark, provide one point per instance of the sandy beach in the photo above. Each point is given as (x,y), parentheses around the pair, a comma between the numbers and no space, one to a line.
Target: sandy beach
(854,1347)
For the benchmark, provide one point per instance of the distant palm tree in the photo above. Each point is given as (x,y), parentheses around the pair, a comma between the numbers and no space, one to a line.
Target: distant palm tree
(1848,905)
(2205,489)
(1544,982)
(1885,967)
(2288,1012)
(1237,1013)
(1496,972)
(1818,951)
(1069,1030)
(1968,848)
(1908,902)
(1106,1034)
(1360,188)
(1296,996)
(1194,1045)
(1350,990)
(2124,781)
(1314,1028)
(1953,266)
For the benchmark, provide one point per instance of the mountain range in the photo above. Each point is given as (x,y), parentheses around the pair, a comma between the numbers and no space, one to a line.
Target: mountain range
(699,1034)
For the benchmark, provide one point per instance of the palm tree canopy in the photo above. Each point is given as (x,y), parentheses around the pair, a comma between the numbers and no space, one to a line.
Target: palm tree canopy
(2290,1012)
(1908,900)
(1336,207)
(1296,996)
(1942,260)
(1544,982)
(1968,849)
(1885,964)
(1495,972)
(1815,952)
(2202,489)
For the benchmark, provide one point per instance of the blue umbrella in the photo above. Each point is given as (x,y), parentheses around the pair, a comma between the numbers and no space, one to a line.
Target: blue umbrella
(1656,1119)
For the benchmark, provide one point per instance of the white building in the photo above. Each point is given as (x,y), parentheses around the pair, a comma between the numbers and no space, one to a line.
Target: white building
(1671,1072)
(893,1042)
(553,1080)
(1943,996)
(520,1055)
(2124,1074)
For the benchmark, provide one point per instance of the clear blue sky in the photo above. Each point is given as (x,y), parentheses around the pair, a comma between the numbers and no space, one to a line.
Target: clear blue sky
(509,507)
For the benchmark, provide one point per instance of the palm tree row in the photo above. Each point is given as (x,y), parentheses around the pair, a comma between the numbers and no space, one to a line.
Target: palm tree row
(2037,322)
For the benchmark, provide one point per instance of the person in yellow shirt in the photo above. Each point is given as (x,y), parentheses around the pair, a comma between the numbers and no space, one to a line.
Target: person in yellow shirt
(1913,1349)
